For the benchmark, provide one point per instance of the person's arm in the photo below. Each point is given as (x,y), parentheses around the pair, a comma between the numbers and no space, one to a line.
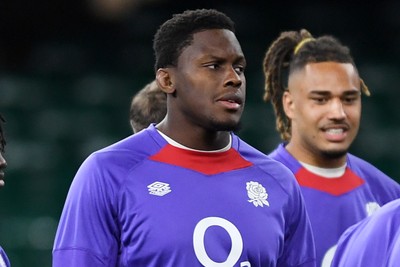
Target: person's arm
(87,234)
(299,248)
(373,241)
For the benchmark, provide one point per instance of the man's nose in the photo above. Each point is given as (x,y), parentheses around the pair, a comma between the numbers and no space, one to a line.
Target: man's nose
(233,78)
(337,110)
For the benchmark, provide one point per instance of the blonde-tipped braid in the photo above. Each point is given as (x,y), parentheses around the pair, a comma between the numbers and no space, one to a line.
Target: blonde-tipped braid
(364,88)
(300,45)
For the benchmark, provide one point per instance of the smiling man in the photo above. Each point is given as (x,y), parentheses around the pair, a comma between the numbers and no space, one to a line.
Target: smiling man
(187,191)
(316,90)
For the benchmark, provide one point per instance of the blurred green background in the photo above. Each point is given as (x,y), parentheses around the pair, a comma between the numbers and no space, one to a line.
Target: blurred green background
(68,70)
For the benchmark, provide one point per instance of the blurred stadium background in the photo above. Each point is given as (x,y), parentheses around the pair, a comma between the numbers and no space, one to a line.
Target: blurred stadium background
(68,70)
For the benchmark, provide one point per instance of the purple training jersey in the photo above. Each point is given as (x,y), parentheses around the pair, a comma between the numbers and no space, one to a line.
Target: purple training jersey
(144,202)
(334,204)
(4,261)
(372,242)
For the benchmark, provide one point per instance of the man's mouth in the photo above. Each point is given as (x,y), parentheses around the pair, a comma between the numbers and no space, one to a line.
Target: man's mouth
(337,134)
(232,102)
(335,131)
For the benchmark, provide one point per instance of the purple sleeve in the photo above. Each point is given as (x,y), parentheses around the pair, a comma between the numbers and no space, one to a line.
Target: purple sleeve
(372,242)
(394,257)
(4,261)
(87,231)
(299,241)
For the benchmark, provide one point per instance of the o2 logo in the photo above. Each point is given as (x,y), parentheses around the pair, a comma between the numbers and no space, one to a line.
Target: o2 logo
(234,234)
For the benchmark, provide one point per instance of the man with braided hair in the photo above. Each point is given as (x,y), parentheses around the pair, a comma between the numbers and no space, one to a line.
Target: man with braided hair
(4,261)
(315,89)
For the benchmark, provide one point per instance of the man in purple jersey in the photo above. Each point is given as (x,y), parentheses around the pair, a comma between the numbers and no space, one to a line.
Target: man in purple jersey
(187,191)
(373,242)
(315,90)
(149,105)
(4,261)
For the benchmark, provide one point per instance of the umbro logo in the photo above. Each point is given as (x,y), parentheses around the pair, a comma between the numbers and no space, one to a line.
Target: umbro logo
(159,189)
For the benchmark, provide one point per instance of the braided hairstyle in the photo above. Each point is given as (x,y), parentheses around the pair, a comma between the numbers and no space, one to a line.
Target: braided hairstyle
(2,137)
(292,51)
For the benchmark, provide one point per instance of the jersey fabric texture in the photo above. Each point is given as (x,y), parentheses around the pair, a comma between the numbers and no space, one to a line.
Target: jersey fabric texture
(372,242)
(4,261)
(143,202)
(334,204)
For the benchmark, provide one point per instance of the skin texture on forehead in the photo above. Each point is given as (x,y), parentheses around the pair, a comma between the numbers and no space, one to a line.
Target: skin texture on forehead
(212,43)
(346,72)
(324,106)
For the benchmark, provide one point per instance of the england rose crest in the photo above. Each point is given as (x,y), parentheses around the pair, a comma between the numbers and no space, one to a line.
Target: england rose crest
(257,194)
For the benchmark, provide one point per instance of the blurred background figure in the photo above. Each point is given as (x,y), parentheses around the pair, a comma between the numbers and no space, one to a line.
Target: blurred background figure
(149,105)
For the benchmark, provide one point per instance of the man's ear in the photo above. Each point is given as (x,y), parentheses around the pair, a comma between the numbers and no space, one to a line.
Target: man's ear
(287,103)
(164,80)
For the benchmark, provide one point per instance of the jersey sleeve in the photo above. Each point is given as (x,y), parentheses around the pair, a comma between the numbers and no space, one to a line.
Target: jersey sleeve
(373,241)
(87,231)
(299,248)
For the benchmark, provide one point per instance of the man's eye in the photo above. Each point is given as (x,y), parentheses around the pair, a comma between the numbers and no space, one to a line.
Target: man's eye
(319,100)
(239,69)
(350,100)
(213,66)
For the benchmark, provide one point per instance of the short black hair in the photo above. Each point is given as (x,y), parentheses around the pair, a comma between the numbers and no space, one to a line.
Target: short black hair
(177,33)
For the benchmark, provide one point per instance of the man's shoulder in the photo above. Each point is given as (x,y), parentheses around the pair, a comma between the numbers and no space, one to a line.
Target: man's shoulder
(273,168)
(138,145)
(251,153)
(378,181)
(363,167)
(125,153)
(255,155)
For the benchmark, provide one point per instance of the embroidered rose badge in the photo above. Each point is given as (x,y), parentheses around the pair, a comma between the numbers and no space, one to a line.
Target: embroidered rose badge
(257,194)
